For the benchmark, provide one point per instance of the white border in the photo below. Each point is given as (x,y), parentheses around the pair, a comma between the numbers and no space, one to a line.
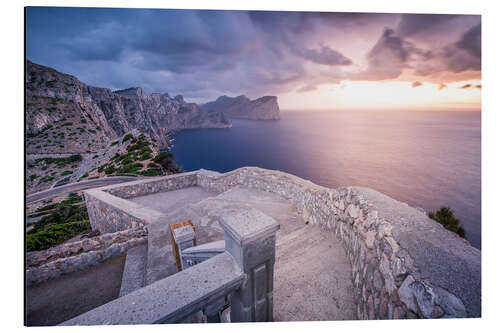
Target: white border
(12,21)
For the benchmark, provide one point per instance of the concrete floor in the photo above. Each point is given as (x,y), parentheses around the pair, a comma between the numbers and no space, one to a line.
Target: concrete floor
(54,301)
(312,273)
(166,202)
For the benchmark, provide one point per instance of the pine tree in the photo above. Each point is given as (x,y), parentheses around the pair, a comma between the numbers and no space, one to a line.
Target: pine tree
(445,217)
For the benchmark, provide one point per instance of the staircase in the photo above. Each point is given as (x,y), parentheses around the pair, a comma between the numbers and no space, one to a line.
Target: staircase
(312,273)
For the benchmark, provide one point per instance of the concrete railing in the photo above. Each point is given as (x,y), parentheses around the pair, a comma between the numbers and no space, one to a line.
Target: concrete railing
(244,271)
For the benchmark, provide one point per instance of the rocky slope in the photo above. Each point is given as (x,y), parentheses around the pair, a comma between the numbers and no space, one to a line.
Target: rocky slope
(65,115)
(133,154)
(264,108)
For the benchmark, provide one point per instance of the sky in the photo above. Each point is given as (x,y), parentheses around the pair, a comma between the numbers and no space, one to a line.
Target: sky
(310,60)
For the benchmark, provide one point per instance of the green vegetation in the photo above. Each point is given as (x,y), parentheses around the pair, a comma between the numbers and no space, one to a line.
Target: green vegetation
(45,179)
(114,143)
(127,137)
(33,177)
(92,131)
(55,234)
(69,123)
(63,221)
(145,156)
(166,160)
(151,172)
(73,198)
(129,163)
(445,217)
(67,172)
(60,162)
(109,170)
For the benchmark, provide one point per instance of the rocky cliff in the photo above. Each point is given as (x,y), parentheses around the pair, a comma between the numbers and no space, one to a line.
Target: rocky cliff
(264,108)
(66,115)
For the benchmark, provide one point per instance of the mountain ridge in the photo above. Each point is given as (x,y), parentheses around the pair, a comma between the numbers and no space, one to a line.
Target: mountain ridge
(64,114)
(241,107)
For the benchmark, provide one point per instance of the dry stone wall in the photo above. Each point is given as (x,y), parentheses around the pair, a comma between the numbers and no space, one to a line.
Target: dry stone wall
(150,186)
(403,265)
(76,256)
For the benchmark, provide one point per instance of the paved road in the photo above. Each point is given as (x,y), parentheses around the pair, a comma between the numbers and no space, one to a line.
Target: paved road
(78,186)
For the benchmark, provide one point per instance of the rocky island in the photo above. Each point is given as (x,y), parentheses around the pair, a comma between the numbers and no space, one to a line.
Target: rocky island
(241,107)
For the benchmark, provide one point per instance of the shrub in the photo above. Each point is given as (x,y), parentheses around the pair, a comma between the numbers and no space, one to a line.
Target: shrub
(85,175)
(114,143)
(127,137)
(45,179)
(151,172)
(109,170)
(66,172)
(445,217)
(33,177)
(102,167)
(130,168)
(145,156)
(69,123)
(164,159)
(55,235)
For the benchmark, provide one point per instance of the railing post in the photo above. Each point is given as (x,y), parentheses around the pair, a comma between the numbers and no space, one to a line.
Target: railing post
(250,238)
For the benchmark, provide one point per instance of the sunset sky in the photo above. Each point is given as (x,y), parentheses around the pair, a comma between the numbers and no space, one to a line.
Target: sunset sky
(309,60)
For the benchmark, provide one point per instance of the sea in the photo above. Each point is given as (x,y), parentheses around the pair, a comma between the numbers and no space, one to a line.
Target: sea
(427,159)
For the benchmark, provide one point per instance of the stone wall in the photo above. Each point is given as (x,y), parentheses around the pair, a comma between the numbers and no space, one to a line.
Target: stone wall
(76,256)
(108,213)
(150,186)
(403,264)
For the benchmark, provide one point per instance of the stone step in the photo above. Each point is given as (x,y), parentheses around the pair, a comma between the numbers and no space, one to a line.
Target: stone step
(298,240)
(283,239)
(312,277)
(134,272)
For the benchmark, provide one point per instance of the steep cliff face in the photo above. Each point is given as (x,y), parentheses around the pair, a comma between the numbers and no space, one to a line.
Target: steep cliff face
(264,108)
(66,115)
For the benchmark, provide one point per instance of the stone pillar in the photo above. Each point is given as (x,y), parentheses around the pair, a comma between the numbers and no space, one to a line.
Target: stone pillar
(250,237)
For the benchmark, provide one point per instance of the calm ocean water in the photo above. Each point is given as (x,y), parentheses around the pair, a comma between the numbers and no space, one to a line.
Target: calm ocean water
(426,159)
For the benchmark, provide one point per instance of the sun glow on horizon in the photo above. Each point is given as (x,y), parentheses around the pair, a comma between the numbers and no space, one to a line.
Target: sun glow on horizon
(387,95)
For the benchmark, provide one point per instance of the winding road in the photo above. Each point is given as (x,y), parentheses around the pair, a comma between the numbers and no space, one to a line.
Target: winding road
(78,186)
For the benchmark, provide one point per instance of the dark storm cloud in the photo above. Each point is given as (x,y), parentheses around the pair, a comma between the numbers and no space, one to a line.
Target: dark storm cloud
(388,57)
(413,24)
(471,41)
(396,50)
(204,54)
(324,56)
(463,55)
(232,51)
